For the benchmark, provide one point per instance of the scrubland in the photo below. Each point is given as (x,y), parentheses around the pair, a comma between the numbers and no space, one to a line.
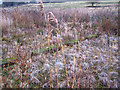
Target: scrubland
(60,47)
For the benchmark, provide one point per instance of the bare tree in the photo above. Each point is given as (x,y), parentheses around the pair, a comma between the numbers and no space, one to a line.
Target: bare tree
(93,3)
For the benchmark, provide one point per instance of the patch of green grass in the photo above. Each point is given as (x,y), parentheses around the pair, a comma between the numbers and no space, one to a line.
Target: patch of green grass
(16,82)
(99,85)
(16,36)
(73,41)
(62,78)
(69,42)
(5,39)
(91,36)
(54,33)
(20,41)
(87,37)
(40,32)
(51,47)
(37,50)
(44,49)
(6,59)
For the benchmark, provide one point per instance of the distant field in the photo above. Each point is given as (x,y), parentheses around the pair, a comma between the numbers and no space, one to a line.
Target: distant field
(77,4)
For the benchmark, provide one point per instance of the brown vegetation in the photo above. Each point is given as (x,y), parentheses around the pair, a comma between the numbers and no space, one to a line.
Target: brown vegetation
(35,44)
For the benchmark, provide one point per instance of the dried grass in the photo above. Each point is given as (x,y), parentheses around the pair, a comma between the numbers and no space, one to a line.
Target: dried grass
(34,19)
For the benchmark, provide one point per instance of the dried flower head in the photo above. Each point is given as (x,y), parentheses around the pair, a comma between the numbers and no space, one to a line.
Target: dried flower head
(41,4)
(51,17)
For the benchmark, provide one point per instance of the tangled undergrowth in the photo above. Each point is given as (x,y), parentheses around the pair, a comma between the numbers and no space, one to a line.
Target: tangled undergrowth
(59,49)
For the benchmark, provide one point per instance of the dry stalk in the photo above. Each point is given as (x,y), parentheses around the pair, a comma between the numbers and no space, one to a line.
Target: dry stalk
(49,60)
(90,81)
(79,77)
(41,5)
(107,60)
(52,18)
(48,26)
(110,53)
(74,75)
(65,63)
(63,58)
(42,8)
(110,56)
(55,64)
(80,69)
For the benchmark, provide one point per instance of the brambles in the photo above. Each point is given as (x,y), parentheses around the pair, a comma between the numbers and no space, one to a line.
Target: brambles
(14,69)
(109,27)
(27,19)
(107,22)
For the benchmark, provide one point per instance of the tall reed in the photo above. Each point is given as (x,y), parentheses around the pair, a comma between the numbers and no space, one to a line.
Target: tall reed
(53,19)
(48,27)
(75,30)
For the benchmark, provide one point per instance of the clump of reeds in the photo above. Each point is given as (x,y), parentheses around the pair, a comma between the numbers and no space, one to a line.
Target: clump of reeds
(52,19)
